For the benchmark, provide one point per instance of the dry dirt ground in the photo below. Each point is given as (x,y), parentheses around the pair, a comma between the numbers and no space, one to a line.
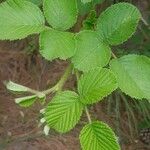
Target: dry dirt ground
(19,128)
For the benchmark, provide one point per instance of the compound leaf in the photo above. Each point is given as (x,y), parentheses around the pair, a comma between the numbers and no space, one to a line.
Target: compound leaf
(26,101)
(98,136)
(90,51)
(133,75)
(63,113)
(57,44)
(95,85)
(118,23)
(19,18)
(61,14)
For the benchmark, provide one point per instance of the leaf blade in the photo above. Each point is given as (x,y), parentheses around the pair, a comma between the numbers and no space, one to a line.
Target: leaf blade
(19,18)
(60,14)
(63,113)
(98,136)
(90,51)
(86,1)
(95,85)
(133,75)
(12,86)
(117,23)
(85,8)
(26,101)
(56,44)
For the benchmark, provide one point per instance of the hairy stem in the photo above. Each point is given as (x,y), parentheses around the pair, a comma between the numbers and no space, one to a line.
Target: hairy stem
(61,82)
(35,92)
(88,115)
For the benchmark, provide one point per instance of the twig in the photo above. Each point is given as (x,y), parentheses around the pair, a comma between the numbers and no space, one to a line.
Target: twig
(77,75)
(113,55)
(88,115)
(144,21)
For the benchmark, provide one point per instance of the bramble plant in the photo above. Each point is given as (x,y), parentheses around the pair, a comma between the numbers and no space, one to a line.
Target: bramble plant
(99,72)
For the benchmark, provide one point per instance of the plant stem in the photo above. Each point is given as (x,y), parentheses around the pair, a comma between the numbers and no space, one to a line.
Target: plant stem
(144,21)
(88,115)
(38,93)
(51,90)
(77,75)
(113,55)
(64,77)
(55,88)
(144,33)
(60,84)
(86,109)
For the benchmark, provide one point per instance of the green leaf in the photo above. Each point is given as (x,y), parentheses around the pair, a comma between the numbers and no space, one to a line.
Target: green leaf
(37,2)
(118,23)
(26,101)
(95,85)
(57,44)
(90,21)
(133,75)
(98,136)
(86,1)
(63,113)
(98,1)
(90,51)
(15,87)
(19,18)
(85,8)
(61,14)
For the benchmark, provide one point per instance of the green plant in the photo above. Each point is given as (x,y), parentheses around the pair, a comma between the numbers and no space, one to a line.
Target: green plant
(98,74)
